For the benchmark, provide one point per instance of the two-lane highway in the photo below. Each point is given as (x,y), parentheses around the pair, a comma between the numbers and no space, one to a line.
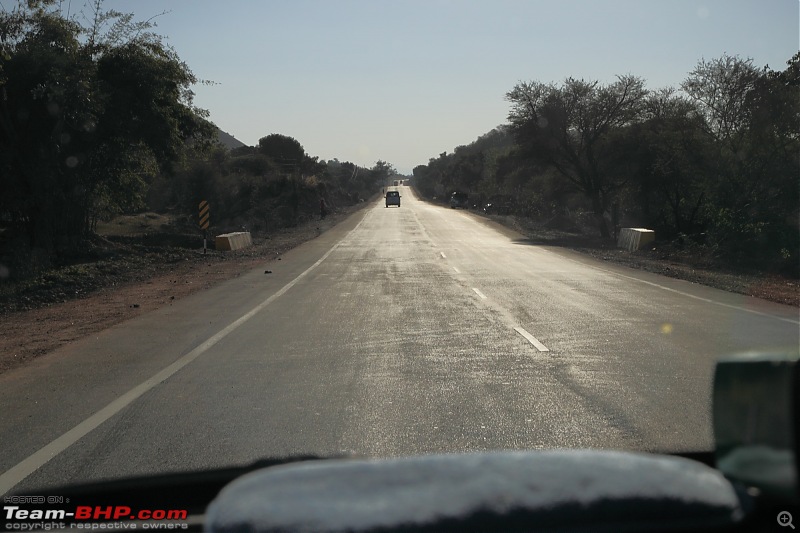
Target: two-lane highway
(401,331)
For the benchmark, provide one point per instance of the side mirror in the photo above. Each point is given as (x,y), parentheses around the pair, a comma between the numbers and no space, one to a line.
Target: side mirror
(757,421)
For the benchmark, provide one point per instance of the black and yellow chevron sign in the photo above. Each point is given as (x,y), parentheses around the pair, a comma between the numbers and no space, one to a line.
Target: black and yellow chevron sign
(204,215)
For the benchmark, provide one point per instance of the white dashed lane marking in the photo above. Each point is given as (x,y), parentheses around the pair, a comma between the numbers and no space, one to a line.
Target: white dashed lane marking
(533,340)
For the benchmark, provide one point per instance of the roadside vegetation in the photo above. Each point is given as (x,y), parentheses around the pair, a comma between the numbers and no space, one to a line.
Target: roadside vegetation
(712,166)
(97,120)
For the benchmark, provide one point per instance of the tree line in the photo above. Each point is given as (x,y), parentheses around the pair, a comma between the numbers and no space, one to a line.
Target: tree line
(272,185)
(97,118)
(714,162)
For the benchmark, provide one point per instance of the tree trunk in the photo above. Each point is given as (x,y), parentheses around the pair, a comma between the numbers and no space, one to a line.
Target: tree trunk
(599,212)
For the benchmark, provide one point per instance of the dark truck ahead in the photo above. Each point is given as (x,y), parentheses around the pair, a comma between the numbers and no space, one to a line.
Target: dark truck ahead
(392,198)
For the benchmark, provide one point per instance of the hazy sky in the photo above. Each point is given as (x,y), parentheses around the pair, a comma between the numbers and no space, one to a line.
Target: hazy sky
(404,80)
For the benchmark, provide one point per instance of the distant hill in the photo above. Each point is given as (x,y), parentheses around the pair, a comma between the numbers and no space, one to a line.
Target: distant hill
(228,141)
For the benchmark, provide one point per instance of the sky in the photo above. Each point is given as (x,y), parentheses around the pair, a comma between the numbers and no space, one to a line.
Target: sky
(404,80)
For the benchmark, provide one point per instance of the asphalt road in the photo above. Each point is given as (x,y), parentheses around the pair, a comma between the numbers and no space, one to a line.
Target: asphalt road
(401,331)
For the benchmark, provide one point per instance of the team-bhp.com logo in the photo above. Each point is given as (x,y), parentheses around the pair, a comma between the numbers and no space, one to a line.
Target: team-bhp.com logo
(18,518)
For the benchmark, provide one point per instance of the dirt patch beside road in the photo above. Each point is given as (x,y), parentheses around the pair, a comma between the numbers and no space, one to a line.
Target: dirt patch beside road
(687,262)
(60,307)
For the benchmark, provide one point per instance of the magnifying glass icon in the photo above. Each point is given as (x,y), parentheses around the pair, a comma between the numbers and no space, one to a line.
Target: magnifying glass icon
(785,519)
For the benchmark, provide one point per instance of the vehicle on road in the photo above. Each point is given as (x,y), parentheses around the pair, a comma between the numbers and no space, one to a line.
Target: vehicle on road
(459,199)
(393,198)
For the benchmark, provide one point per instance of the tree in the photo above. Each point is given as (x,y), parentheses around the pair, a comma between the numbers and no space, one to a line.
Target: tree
(670,155)
(570,128)
(86,118)
(751,116)
(43,100)
(381,171)
(720,87)
(284,150)
(722,90)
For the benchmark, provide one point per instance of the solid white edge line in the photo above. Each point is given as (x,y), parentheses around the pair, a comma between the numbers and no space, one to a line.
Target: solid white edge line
(479,293)
(533,340)
(29,465)
(707,300)
(676,291)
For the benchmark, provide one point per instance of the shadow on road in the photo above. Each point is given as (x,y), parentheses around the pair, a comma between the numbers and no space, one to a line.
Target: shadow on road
(565,241)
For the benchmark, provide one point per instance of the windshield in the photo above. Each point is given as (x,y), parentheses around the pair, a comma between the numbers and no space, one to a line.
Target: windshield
(198,267)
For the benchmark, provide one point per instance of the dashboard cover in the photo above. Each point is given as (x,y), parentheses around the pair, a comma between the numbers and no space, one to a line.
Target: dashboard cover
(559,490)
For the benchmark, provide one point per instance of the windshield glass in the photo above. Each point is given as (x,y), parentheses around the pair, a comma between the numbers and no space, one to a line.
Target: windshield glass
(199,266)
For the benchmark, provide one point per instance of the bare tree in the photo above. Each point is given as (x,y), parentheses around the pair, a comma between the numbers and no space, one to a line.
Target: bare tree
(571,127)
(721,88)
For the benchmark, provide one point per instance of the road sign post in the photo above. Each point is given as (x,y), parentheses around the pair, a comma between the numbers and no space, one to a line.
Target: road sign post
(204,217)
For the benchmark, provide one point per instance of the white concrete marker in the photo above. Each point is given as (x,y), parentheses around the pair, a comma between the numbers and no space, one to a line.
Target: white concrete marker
(531,339)
(457,270)
(443,256)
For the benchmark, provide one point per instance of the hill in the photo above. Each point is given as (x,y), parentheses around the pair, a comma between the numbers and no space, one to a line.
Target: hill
(228,141)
